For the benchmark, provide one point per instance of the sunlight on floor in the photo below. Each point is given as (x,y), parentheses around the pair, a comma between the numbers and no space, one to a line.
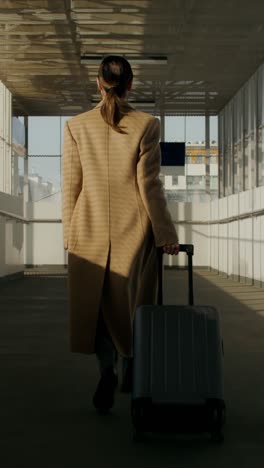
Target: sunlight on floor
(249,295)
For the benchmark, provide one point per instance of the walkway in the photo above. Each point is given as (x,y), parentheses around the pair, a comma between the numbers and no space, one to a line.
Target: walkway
(47,420)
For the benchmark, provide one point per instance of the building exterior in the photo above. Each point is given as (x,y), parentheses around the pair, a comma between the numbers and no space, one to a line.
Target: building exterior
(190,184)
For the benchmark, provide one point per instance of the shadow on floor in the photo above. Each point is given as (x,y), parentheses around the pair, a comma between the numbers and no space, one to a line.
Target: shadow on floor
(47,419)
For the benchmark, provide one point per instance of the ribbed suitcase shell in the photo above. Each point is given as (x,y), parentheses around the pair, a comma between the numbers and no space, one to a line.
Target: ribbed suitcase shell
(177,354)
(178,366)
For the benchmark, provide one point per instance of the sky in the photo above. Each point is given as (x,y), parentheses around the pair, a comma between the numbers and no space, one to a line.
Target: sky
(46,138)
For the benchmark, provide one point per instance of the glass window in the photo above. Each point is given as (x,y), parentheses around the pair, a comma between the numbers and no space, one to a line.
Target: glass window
(44,177)
(5,140)
(191,129)
(260,126)
(45,140)
(228,156)
(261,155)
(221,155)
(213,130)
(246,96)
(174,128)
(241,138)
(195,182)
(195,129)
(213,159)
(238,143)
(17,172)
(44,136)
(18,153)
(214,187)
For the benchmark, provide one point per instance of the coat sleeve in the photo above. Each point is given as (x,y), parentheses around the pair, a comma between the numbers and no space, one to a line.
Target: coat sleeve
(151,188)
(71,180)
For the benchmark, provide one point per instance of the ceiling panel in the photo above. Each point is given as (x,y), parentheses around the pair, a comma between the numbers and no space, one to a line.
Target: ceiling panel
(212,48)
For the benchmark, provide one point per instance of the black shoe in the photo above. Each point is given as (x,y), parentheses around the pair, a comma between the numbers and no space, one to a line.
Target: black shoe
(126,386)
(103,399)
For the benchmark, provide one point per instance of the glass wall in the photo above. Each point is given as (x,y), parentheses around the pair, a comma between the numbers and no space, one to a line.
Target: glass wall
(238,144)
(241,145)
(45,139)
(228,147)
(175,128)
(260,126)
(18,155)
(12,146)
(5,139)
(198,180)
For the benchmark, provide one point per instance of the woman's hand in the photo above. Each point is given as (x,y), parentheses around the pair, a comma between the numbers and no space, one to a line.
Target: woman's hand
(171,249)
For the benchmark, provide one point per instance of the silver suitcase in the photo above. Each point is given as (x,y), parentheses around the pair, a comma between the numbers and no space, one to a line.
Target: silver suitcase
(178,366)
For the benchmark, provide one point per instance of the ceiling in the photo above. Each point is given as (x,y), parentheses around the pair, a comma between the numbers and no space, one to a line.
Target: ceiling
(213,47)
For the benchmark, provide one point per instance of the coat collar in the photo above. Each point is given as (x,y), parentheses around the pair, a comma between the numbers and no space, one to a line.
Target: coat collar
(99,104)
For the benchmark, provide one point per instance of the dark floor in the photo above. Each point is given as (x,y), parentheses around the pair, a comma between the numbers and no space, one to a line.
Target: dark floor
(47,419)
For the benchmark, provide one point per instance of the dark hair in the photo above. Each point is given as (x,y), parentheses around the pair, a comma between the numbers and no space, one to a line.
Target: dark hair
(115,75)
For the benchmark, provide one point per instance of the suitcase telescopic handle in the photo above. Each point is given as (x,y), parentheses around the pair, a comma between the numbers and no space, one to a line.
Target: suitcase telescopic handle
(189,250)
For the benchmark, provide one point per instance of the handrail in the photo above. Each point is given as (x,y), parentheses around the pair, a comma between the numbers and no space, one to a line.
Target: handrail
(27,221)
(13,216)
(7,214)
(45,220)
(229,219)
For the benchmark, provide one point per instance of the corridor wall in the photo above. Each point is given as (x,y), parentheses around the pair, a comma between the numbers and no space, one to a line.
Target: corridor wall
(11,235)
(241,185)
(11,206)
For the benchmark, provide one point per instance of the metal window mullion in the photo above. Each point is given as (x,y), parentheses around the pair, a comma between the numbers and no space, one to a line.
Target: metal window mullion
(207,154)
(162,125)
(243,140)
(232,126)
(258,104)
(219,154)
(26,184)
(4,139)
(1,139)
(7,140)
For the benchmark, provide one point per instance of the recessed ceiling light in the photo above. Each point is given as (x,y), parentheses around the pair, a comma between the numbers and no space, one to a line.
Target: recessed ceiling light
(129,10)
(71,107)
(133,59)
(93,10)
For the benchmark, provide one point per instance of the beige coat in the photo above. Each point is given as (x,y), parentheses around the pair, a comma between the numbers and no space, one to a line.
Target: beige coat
(114,214)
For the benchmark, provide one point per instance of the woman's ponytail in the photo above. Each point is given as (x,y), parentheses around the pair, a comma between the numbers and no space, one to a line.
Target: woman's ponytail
(115,75)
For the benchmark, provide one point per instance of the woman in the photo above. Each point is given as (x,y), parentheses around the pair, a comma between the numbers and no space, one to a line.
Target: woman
(114,217)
